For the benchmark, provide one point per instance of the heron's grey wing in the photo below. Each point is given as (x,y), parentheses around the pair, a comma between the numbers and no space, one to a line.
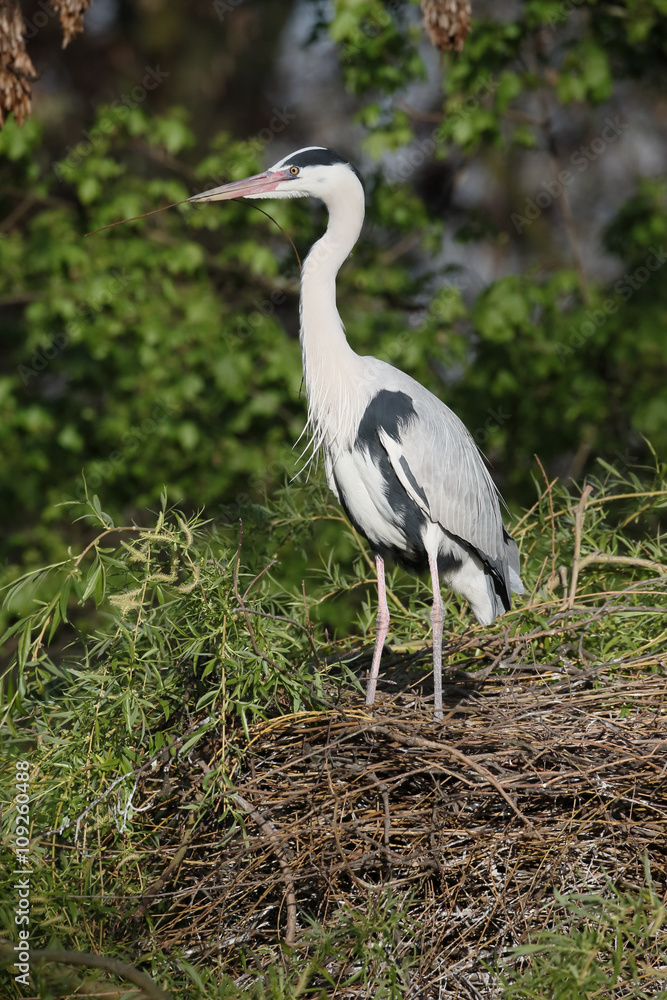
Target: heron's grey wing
(514,564)
(440,467)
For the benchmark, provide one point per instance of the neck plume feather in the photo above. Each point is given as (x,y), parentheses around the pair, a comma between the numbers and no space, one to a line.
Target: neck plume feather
(330,366)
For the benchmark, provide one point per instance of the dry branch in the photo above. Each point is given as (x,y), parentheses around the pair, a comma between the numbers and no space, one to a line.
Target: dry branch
(121,969)
(16,69)
(534,783)
(447,22)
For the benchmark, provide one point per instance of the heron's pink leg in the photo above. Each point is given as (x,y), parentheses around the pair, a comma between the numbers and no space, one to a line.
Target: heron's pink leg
(382,629)
(437,618)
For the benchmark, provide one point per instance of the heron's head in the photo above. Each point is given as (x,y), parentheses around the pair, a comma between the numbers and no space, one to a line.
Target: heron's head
(312,172)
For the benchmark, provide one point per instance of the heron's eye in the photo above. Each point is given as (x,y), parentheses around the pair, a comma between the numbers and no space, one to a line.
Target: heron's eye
(294,171)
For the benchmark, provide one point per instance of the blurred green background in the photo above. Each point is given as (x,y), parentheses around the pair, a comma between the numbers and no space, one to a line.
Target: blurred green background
(513,257)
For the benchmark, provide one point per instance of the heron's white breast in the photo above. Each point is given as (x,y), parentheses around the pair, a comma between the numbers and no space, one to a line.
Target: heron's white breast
(363,491)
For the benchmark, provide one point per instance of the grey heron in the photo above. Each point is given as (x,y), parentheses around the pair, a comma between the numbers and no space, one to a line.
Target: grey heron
(402,465)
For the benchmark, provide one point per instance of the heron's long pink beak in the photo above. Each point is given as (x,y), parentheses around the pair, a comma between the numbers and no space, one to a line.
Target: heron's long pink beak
(247,188)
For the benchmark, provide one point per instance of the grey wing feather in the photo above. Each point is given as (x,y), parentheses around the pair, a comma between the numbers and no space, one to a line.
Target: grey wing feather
(439,464)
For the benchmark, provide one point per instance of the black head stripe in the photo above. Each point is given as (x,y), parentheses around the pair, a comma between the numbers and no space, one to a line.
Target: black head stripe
(321,158)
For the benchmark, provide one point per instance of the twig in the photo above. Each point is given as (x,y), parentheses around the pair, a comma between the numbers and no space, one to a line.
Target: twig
(259,575)
(601,557)
(147,765)
(419,741)
(114,965)
(270,832)
(244,610)
(109,531)
(434,117)
(578,527)
(548,491)
(362,548)
(359,882)
(153,890)
(524,518)
(16,213)
(283,618)
(598,501)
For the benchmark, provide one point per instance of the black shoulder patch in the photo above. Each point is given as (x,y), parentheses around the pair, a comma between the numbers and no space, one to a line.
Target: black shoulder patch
(388,411)
(391,412)
(411,479)
(320,157)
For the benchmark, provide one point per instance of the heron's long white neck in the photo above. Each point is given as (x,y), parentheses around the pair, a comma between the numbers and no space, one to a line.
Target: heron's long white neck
(331,368)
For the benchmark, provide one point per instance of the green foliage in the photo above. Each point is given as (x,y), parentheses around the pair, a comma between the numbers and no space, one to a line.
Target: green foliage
(194,641)
(536,355)
(157,363)
(377,50)
(172,608)
(162,354)
(607,946)
(367,948)
(156,355)
(127,360)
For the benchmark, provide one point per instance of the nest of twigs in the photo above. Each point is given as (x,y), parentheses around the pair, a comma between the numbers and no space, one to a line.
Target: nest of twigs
(535,781)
